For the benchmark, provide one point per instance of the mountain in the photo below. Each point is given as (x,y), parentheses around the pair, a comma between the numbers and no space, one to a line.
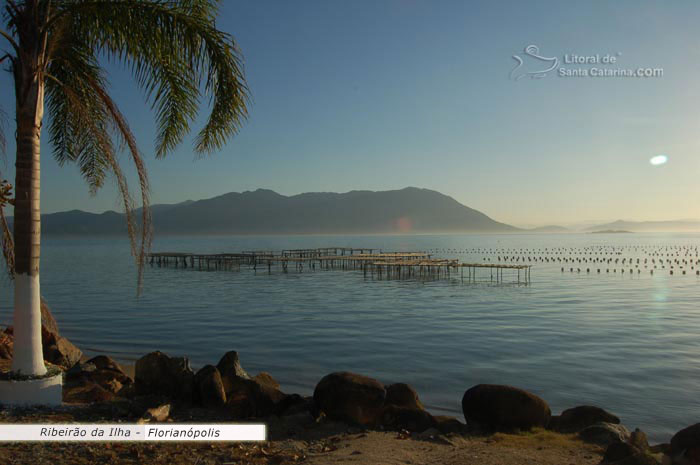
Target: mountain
(550,229)
(409,210)
(649,226)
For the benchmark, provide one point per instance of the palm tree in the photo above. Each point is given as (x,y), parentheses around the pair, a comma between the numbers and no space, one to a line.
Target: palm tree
(54,49)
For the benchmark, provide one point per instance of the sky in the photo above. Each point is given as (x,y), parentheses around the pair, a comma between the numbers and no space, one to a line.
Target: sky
(385,94)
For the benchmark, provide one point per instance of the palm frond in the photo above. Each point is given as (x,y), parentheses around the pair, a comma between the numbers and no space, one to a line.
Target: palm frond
(173,49)
(124,132)
(8,37)
(83,123)
(79,125)
(178,58)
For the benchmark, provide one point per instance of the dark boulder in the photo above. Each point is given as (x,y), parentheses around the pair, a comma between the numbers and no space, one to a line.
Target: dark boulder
(293,404)
(6,346)
(104,362)
(209,389)
(111,380)
(350,397)
(407,418)
(638,439)
(101,370)
(86,393)
(267,379)
(447,424)
(57,350)
(79,370)
(618,451)
(402,395)
(248,398)
(48,323)
(504,408)
(50,340)
(575,419)
(158,374)
(60,351)
(685,445)
(604,433)
(622,453)
(230,368)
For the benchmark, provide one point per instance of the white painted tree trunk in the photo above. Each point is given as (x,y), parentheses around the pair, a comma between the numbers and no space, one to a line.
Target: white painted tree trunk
(28,355)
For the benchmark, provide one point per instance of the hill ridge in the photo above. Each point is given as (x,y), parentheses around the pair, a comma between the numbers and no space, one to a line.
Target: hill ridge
(264,211)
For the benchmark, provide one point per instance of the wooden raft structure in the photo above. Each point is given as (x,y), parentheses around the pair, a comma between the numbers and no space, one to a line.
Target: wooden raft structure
(379,265)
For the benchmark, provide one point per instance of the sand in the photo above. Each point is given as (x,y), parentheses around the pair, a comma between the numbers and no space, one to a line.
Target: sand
(293,442)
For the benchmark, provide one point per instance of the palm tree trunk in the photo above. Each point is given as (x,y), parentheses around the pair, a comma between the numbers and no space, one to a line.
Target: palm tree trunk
(29,90)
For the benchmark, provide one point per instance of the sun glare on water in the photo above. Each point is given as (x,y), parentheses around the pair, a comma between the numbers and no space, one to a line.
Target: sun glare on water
(658,160)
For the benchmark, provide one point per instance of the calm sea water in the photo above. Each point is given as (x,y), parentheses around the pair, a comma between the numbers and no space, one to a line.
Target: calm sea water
(628,343)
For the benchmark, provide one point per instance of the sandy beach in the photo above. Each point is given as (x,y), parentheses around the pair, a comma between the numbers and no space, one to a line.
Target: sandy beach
(315,443)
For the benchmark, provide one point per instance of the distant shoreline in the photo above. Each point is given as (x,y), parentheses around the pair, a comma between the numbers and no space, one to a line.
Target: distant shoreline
(611,231)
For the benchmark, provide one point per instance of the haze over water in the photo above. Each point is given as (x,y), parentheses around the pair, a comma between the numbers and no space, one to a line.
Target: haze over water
(626,343)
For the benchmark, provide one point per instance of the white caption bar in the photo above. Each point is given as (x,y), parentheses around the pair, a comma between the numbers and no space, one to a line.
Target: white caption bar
(127,432)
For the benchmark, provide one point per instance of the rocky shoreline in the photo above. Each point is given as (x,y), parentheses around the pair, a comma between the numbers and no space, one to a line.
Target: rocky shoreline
(164,388)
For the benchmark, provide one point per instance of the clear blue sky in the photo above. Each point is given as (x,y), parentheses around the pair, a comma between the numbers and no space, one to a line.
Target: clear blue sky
(392,93)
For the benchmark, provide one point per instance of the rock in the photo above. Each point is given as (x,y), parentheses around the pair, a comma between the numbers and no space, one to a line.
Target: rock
(104,362)
(604,433)
(209,388)
(79,370)
(111,380)
(266,378)
(251,399)
(350,397)
(60,351)
(618,451)
(49,328)
(108,375)
(402,395)
(5,353)
(294,404)
(622,453)
(6,345)
(127,391)
(447,424)
(410,419)
(663,448)
(575,419)
(156,414)
(504,408)
(246,397)
(685,445)
(230,367)
(158,374)
(638,439)
(95,386)
(86,393)
(553,424)
(48,323)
